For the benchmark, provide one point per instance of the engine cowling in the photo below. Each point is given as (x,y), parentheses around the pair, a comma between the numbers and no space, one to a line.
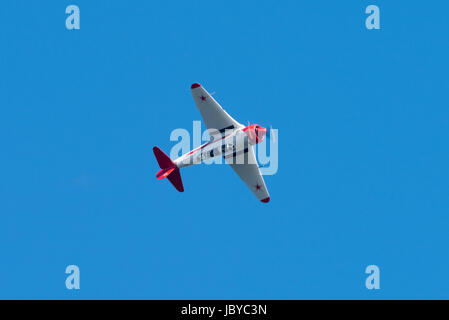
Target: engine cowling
(255,133)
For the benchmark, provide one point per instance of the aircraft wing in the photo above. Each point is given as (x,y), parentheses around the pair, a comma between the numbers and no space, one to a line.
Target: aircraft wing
(213,114)
(250,174)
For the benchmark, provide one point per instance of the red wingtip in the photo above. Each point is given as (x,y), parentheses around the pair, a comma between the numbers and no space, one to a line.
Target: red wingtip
(195,85)
(266,200)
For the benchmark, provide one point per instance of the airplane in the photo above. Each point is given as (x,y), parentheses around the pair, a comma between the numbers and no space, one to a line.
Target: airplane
(230,140)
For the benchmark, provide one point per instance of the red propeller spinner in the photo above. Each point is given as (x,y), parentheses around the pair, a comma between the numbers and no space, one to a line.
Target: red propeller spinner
(255,133)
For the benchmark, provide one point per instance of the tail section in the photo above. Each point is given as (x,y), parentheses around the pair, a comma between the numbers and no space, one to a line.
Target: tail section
(168,170)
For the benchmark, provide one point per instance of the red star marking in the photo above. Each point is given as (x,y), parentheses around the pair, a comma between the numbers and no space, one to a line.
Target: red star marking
(257,187)
(203,98)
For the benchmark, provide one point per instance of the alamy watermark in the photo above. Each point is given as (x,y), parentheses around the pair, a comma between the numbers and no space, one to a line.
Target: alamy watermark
(373,280)
(72,22)
(266,151)
(73,279)
(373,20)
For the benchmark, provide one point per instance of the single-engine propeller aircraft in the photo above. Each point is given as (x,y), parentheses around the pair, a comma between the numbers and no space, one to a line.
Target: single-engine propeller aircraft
(229,139)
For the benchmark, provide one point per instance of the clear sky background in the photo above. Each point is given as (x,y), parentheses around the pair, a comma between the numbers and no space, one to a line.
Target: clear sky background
(363,150)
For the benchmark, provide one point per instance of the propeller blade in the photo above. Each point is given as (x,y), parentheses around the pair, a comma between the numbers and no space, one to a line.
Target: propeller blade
(250,132)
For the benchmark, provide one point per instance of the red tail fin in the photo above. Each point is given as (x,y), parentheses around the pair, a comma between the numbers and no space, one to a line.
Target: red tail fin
(168,169)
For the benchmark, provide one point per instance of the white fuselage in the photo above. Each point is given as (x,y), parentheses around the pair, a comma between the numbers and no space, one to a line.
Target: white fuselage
(229,144)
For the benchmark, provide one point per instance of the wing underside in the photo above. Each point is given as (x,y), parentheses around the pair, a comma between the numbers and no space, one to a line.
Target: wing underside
(214,116)
(250,174)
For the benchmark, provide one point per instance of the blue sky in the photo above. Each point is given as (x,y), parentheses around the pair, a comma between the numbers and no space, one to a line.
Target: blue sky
(363,150)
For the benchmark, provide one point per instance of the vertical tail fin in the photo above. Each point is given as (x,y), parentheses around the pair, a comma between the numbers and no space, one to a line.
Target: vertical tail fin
(168,170)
